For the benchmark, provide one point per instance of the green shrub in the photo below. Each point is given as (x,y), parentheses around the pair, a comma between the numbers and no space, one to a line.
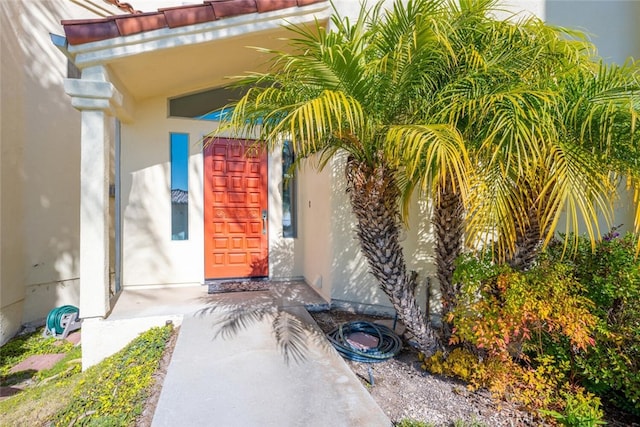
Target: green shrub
(570,323)
(610,276)
(113,392)
(581,410)
(510,314)
(525,330)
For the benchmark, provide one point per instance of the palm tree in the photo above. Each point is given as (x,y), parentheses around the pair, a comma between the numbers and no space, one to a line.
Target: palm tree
(357,90)
(414,99)
(535,116)
(598,110)
(492,91)
(576,175)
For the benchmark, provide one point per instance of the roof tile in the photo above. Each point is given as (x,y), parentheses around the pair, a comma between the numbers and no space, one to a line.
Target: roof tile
(227,8)
(91,30)
(269,5)
(188,15)
(86,31)
(140,22)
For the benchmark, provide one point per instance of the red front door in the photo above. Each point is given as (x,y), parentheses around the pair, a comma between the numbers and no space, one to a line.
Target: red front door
(235,210)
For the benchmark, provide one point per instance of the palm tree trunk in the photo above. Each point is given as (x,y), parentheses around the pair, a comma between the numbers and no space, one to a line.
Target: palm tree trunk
(529,238)
(448,221)
(527,243)
(373,194)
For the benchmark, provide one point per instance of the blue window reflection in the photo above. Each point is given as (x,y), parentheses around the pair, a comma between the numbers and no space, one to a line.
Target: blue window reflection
(179,186)
(289,220)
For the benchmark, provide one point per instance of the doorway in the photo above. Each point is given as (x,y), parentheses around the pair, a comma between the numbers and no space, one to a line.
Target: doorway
(235,210)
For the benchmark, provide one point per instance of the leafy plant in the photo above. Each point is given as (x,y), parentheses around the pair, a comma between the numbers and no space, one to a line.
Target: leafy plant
(541,387)
(571,324)
(581,410)
(610,277)
(508,314)
(518,335)
(113,392)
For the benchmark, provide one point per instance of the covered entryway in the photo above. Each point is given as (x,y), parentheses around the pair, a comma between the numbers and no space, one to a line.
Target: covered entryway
(235,209)
(132,67)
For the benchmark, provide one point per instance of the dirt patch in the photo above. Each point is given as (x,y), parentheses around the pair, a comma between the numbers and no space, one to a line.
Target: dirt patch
(404,391)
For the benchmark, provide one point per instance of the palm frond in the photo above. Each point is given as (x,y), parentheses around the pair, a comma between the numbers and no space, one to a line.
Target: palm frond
(428,154)
(577,187)
(496,210)
(239,319)
(291,336)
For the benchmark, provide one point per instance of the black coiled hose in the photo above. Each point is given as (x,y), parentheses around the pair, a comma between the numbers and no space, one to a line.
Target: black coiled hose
(389,344)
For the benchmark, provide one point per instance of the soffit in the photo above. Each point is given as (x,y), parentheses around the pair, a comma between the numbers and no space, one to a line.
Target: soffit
(191,68)
(187,48)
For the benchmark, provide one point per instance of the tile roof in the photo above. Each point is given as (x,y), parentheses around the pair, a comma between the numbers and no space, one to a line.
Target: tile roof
(180,197)
(91,30)
(123,6)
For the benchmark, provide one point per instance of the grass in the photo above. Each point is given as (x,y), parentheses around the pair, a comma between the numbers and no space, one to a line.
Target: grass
(22,347)
(111,393)
(37,404)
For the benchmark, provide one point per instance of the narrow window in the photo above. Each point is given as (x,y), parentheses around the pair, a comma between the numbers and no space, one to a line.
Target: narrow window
(179,186)
(289,220)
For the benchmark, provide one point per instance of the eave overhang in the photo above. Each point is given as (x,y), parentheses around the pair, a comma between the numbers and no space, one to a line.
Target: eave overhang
(185,49)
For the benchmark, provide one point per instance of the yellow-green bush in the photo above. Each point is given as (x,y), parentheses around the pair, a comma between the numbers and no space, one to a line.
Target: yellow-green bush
(542,388)
(610,274)
(113,392)
(507,326)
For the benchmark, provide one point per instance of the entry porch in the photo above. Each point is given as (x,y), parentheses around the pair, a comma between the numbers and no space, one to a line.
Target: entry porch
(138,309)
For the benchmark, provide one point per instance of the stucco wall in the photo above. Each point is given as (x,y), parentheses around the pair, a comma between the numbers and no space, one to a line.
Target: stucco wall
(315,215)
(11,169)
(348,272)
(150,257)
(39,187)
(612,26)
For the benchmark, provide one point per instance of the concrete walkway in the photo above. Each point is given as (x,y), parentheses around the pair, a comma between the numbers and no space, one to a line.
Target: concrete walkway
(239,377)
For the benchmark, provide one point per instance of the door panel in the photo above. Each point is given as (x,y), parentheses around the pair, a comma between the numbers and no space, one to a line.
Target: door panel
(235,198)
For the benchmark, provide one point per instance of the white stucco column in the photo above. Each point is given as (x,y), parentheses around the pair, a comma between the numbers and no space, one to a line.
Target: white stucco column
(98,100)
(94,215)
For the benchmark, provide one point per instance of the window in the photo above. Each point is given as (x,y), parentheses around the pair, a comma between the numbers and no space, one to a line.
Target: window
(179,186)
(207,105)
(289,219)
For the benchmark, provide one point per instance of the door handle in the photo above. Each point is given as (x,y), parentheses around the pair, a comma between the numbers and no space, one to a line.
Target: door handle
(264,221)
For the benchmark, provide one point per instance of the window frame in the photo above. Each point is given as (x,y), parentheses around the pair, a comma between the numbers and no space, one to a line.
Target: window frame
(289,191)
(179,196)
